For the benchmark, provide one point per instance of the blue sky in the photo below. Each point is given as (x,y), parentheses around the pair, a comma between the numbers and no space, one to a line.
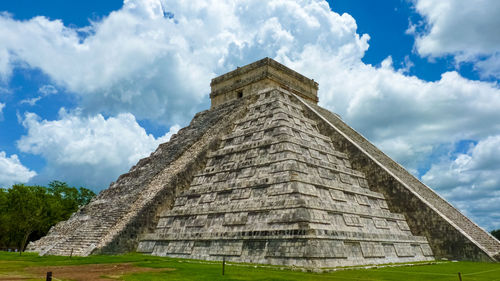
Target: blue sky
(88,88)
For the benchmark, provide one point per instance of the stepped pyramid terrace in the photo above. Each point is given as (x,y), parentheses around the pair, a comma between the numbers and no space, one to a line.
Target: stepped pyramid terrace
(268,176)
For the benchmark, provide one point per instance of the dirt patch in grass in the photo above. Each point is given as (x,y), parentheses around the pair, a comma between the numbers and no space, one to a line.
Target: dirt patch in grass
(99,272)
(13,278)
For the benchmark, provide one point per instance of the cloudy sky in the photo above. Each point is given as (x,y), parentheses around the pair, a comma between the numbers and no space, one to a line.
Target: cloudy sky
(88,88)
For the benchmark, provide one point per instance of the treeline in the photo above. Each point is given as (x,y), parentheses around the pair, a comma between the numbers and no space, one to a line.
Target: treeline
(28,212)
(496,234)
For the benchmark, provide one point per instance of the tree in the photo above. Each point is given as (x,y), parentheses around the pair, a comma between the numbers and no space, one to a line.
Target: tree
(28,212)
(3,217)
(496,233)
(70,196)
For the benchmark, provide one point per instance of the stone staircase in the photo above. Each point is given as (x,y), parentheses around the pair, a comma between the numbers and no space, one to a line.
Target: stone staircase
(77,245)
(86,238)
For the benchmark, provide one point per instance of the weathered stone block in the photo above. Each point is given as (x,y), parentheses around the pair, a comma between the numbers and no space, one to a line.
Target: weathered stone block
(226,248)
(180,247)
(352,220)
(372,250)
(337,195)
(146,246)
(235,218)
(380,223)
(404,250)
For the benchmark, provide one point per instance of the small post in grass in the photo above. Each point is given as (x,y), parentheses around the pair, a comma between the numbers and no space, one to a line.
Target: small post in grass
(460,276)
(49,276)
(71,254)
(223,264)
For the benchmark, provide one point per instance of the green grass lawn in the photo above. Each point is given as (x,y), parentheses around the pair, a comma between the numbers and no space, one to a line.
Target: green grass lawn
(15,266)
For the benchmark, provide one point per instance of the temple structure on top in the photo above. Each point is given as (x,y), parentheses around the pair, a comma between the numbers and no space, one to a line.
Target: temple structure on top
(263,74)
(268,176)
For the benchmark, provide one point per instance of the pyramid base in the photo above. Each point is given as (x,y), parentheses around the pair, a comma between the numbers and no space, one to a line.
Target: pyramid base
(311,253)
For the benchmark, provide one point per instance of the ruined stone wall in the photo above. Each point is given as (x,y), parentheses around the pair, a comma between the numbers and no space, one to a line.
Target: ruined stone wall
(450,234)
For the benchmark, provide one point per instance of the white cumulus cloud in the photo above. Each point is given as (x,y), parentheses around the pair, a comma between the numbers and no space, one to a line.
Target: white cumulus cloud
(47,90)
(31,101)
(12,171)
(465,29)
(472,180)
(44,90)
(5,67)
(2,105)
(155,60)
(88,150)
(407,117)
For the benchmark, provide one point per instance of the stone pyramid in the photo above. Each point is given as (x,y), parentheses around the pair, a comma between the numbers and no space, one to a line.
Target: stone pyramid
(268,176)
(276,191)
